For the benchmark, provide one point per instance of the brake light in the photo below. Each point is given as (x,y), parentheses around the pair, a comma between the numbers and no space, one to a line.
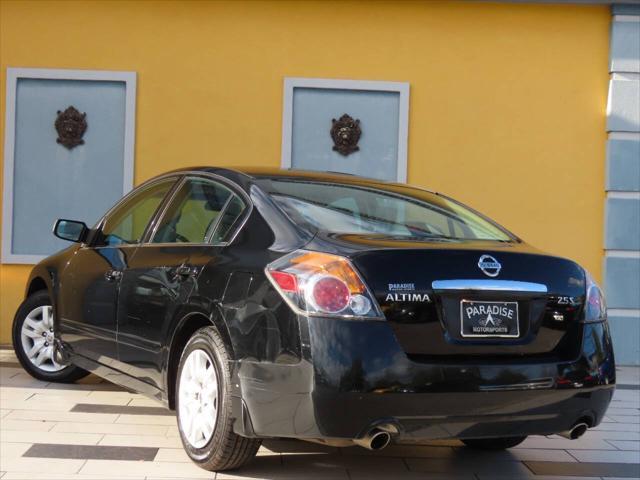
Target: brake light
(329,294)
(318,283)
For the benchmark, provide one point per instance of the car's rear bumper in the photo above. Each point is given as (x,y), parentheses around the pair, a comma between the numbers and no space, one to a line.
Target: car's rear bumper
(355,376)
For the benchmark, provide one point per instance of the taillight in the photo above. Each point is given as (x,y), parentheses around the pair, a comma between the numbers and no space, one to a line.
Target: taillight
(595,307)
(323,284)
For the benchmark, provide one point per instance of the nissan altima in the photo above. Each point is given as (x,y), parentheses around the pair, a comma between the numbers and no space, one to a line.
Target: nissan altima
(323,307)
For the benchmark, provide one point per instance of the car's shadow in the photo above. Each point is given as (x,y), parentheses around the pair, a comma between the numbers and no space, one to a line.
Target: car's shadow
(284,458)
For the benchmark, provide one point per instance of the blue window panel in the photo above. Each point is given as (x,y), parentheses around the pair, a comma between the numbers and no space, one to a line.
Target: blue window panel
(623,165)
(622,229)
(311,143)
(625,47)
(625,334)
(624,110)
(53,182)
(622,282)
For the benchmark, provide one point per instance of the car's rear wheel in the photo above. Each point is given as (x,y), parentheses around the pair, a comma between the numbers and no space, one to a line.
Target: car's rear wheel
(493,443)
(34,340)
(203,405)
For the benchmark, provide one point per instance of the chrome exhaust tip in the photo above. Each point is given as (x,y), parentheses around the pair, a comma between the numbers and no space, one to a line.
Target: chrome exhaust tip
(578,430)
(376,439)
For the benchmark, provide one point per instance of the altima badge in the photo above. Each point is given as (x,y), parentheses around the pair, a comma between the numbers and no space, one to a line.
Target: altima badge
(489,265)
(407,297)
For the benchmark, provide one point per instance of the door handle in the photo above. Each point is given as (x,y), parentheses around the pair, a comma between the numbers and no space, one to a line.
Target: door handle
(113,275)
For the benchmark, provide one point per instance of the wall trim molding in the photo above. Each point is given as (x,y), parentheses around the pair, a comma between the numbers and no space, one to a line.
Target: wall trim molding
(12,77)
(290,83)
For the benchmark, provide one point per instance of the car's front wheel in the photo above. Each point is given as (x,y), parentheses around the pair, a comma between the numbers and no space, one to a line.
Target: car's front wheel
(493,443)
(203,404)
(34,340)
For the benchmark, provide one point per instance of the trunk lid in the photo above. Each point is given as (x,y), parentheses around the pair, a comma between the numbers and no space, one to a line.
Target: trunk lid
(439,301)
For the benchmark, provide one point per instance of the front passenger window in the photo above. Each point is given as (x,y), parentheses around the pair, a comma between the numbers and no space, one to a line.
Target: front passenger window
(127,223)
(195,213)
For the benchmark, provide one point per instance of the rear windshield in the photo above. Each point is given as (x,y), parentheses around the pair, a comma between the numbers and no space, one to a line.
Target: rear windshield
(390,210)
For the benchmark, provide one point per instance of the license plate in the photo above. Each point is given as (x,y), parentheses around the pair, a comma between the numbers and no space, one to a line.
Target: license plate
(489,319)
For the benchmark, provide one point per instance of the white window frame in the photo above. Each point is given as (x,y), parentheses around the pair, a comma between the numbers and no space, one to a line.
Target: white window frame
(13,75)
(290,83)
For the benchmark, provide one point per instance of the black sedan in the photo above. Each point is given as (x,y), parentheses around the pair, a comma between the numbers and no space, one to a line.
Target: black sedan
(329,308)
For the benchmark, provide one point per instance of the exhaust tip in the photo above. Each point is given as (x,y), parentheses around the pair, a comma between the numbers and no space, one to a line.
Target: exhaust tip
(379,440)
(578,430)
(375,439)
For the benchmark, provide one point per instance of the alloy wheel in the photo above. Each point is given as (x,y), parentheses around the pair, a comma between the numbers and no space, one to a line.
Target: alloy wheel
(38,339)
(198,397)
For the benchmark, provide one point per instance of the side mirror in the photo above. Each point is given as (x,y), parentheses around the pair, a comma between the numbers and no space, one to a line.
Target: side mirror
(71,230)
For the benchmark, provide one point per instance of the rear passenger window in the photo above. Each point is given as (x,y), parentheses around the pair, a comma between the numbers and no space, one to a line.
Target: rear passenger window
(228,220)
(198,209)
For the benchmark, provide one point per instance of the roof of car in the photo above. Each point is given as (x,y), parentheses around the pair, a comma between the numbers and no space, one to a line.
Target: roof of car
(257,172)
(232,173)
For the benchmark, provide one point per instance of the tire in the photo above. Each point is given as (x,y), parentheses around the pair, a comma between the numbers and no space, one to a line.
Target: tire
(493,443)
(204,414)
(33,335)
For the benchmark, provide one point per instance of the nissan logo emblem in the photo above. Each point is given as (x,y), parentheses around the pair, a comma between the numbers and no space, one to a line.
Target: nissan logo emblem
(489,265)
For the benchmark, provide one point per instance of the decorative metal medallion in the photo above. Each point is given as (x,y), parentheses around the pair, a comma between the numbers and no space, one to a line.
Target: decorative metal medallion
(71,125)
(345,133)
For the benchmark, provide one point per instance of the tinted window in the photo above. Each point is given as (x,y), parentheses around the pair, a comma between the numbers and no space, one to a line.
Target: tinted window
(127,223)
(199,207)
(391,210)
(228,220)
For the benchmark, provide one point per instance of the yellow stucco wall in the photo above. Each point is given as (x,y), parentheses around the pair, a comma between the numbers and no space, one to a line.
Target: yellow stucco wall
(507,107)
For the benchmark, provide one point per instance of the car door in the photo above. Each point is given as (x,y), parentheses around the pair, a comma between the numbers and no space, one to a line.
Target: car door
(89,285)
(163,273)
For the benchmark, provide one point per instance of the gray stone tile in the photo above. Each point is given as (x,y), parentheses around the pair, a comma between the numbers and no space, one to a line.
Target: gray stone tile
(464,455)
(626,395)
(613,435)
(625,374)
(271,467)
(626,386)
(623,168)
(84,452)
(633,412)
(625,46)
(403,451)
(614,427)
(623,470)
(620,404)
(478,467)
(622,231)
(606,456)
(624,418)
(351,462)
(555,442)
(632,445)
(623,116)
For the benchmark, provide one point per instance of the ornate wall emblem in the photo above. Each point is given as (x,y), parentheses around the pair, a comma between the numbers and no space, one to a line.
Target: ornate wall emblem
(345,133)
(71,125)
